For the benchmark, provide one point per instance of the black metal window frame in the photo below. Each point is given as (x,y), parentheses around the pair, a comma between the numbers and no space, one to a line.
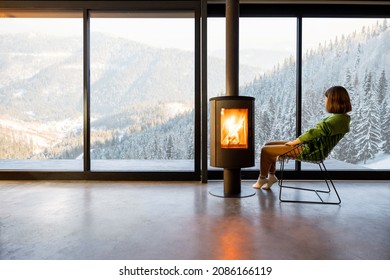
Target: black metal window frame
(202,11)
(300,11)
(115,6)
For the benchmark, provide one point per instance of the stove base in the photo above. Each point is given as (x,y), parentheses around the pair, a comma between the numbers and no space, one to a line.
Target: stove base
(232,185)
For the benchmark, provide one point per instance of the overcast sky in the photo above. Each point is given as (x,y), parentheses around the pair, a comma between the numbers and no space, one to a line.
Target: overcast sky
(255,33)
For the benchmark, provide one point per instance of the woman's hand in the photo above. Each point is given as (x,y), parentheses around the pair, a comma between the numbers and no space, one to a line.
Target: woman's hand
(294,142)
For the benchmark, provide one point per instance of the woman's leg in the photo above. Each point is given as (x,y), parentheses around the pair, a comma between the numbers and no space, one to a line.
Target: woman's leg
(269,153)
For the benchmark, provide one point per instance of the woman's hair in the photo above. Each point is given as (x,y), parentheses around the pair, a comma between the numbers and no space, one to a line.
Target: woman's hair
(338,100)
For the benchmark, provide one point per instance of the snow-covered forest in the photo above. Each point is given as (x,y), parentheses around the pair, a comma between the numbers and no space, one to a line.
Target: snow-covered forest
(142,98)
(358,61)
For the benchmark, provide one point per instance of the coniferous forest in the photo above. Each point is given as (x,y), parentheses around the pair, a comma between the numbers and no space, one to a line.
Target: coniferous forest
(142,97)
(359,62)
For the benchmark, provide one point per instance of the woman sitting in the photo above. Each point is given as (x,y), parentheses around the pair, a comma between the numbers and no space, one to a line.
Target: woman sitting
(317,142)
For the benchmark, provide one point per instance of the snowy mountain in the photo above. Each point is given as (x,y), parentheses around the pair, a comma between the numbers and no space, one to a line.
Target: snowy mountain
(134,87)
(143,109)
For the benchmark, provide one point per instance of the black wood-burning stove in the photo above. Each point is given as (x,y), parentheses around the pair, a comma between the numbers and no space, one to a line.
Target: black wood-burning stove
(231,122)
(232,118)
(232,140)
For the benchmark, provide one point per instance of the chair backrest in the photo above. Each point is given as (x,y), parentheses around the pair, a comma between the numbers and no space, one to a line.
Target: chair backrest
(314,151)
(319,149)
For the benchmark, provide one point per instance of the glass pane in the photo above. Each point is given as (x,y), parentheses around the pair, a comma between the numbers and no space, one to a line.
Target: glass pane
(142,92)
(267,72)
(353,53)
(41,90)
(234,128)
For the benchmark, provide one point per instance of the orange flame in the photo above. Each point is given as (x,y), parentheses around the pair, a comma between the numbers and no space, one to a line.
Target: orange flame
(234,128)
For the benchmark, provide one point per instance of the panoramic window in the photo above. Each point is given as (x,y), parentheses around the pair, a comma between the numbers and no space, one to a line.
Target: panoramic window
(41,90)
(267,50)
(142,91)
(353,53)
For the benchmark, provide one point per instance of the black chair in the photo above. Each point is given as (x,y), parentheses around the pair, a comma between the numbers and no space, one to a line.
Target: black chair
(295,154)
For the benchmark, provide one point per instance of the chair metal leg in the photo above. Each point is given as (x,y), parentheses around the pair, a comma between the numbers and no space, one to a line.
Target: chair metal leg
(329,183)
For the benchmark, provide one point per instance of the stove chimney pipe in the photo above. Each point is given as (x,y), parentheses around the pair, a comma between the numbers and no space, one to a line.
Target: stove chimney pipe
(232,47)
(232,173)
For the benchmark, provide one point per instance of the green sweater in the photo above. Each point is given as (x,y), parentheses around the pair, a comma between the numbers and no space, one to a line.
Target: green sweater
(319,141)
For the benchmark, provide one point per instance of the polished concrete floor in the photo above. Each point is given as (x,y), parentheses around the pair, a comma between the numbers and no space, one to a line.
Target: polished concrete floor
(181,220)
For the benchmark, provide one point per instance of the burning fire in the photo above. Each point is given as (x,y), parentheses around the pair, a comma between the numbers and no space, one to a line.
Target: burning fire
(234,128)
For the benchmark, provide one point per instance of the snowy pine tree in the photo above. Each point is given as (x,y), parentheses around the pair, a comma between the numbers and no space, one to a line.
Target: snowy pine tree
(382,90)
(346,150)
(386,128)
(368,135)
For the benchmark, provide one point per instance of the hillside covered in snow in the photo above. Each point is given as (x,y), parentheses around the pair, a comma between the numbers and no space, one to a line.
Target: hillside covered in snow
(143,108)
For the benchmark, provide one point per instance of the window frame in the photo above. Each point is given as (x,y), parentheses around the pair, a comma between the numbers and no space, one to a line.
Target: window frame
(300,11)
(202,11)
(164,7)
